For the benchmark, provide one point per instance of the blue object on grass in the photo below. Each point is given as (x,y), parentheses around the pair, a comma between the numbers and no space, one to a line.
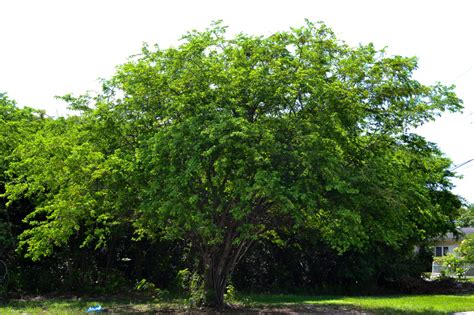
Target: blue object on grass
(95,309)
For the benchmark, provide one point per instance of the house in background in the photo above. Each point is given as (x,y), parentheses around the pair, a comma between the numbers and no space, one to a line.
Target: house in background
(447,245)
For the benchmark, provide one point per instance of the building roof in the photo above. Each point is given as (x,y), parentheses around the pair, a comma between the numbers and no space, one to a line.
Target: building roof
(464,231)
(467,230)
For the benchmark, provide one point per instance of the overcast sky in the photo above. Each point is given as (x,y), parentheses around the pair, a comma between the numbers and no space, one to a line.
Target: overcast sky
(50,48)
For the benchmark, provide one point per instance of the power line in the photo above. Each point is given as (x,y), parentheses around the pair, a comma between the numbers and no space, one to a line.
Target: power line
(462,164)
(464,73)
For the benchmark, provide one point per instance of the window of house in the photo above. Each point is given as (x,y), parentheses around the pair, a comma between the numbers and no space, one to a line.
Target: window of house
(441,251)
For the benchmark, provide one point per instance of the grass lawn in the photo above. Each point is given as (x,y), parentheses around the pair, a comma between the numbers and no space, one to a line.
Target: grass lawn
(406,304)
(418,304)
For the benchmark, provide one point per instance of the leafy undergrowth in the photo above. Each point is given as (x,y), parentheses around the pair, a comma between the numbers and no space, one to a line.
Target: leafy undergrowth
(255,304)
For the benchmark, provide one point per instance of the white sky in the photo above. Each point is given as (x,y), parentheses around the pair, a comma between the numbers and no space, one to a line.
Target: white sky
(50,48)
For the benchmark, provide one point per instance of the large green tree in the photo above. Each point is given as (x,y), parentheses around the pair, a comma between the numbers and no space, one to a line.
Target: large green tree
(218,141)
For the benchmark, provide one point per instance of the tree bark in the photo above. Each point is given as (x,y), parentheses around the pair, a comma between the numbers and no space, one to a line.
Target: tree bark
(218,269)
(214,285)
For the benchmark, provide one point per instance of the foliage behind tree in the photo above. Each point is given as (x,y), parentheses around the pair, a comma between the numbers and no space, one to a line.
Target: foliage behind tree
(466,218)
(16,125)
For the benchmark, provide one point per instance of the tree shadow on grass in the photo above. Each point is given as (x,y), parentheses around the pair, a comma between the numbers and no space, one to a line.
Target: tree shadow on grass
(74,305)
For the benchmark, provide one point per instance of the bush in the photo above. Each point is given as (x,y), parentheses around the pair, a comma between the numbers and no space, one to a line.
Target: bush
(150,289)
(458,263)
(452,266)
(192,284)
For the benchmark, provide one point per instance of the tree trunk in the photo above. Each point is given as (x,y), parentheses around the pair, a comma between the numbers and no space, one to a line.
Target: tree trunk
(218,269)
(214,286)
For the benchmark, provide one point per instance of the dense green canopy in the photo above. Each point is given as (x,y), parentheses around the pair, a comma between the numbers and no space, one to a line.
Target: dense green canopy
(221,140)
(15,125)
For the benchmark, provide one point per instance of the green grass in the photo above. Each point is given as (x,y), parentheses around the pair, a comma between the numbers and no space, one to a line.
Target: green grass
(406,304)
(419,304)
(74,306)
